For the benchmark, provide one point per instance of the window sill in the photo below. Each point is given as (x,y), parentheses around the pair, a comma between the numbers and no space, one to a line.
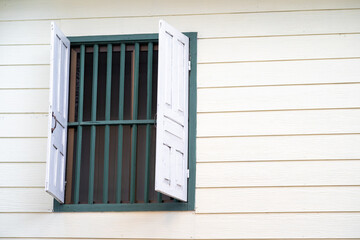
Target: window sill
(124,207)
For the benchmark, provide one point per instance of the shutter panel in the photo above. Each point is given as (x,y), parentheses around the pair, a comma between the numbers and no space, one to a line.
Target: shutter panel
(172,113)
(58,114)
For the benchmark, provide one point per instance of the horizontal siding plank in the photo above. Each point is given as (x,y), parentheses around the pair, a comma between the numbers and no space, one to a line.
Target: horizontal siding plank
(341,21)
(23,149)
(279,123)
(24,76)
(171,225)
(278,48)
(55,10)
(278,73)
(27,54)
(23,32)
(279,98)
(24,101)
(23,125)
(296,173)
(294,199)
(22,174)
(25,200)
(228,49)
(246,24)
(275,148)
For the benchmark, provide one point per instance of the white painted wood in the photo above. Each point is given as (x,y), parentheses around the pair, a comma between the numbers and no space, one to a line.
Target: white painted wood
(58,114)
(24,101)
(23,149)
(171,225)
(25,200)
(24,54)
(237,24)
(278,48)
(278,97)
(22,174)
(17,125)
(25,32)
(294,199)
(278,148)
(172,113)
(278,73)
(24,76)
(296,173)
(312,22)
(279,123)
(228,50)
(55,10)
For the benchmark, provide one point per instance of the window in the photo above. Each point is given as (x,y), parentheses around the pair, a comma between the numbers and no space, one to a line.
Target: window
(113,140)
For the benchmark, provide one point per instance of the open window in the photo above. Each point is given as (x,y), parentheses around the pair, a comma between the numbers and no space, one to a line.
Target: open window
(124,139)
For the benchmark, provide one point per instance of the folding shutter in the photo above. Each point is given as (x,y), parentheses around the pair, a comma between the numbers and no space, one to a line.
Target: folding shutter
(171,171)
(58,114)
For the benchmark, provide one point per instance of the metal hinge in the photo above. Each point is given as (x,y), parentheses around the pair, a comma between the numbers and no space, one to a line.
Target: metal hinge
(189,65)
(188,173)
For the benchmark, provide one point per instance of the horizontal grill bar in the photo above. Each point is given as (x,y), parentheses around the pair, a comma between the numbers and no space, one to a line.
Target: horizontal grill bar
(112,122)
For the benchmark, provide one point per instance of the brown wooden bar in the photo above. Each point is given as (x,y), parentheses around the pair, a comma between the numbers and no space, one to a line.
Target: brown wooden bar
(71,131)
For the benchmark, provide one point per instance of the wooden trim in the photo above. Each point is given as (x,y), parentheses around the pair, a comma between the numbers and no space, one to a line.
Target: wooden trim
(104,39)
(192,120)
(117,48)
(123,207)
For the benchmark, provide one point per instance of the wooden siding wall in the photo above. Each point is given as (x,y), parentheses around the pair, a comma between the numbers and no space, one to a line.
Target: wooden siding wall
(278,153)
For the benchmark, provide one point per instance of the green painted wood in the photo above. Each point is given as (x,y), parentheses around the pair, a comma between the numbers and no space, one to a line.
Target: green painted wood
(159,197)
(133,164)
(94,82)
(120,128)
(148,116)
(108,81)
(149,80)
(136,81)
(107,127)
(106,164)
(93,127)
(81,83)
(119,163)
(134,127)
(192,120)
(79,130)
(114,39)
(176,206)
(126,38)
(122,81)
(112,122)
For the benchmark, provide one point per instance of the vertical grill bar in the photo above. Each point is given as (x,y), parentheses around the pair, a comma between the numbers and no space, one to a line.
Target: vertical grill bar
(121,117)
(107,127)
(159,197)
(79,130)
(148,116)
(93,128)
(134,126)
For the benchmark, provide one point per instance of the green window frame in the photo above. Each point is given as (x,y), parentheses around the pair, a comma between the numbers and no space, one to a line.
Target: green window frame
(133,206)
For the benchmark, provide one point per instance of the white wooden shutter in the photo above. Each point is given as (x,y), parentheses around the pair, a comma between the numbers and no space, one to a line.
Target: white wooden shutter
(171,171)
(58,114)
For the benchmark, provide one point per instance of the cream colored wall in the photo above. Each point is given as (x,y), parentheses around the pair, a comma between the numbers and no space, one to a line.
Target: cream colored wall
(278,153)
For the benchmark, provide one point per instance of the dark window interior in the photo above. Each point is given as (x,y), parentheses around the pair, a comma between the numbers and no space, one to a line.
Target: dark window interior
(112,174)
